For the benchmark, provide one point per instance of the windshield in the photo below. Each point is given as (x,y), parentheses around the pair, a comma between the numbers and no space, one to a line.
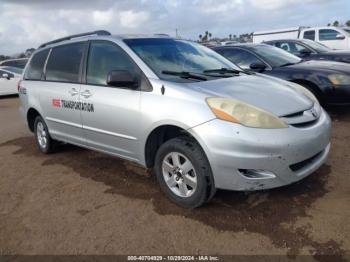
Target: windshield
(169,55)
(274,56)
(317,46)
(13,69)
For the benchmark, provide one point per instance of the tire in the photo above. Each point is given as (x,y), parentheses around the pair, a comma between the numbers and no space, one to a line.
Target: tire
(43,139)
(187,181)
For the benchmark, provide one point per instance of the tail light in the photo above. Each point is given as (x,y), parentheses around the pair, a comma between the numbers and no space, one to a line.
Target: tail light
(19,85)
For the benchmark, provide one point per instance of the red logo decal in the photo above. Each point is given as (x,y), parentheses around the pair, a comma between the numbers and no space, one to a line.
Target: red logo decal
(56,102)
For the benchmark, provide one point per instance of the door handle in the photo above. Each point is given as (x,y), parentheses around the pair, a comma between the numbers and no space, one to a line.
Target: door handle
(86,94)
(73,92)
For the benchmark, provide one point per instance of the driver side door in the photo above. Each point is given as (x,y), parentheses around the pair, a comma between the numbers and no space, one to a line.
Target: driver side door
(110,115)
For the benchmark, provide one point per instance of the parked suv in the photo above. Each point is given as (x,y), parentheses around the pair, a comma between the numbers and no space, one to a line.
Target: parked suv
(178,107)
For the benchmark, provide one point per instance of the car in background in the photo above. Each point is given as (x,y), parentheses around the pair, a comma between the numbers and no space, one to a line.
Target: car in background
(328,81)
(333,37)
(19,63)
(9,77)
(311,50)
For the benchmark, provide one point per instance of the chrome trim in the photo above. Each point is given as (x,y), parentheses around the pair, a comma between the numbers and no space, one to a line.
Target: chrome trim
(63,122)
(108,133)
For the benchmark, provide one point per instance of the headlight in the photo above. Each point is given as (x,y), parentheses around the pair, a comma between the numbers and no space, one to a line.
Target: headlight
(339,80)
(241,113)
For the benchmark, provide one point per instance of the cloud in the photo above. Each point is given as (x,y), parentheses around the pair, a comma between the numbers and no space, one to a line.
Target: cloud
(133,19)
(102,18)
(278,4)
(28,23)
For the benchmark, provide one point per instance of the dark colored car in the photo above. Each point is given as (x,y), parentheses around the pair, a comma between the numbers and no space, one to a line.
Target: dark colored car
(329,81)
(311,50)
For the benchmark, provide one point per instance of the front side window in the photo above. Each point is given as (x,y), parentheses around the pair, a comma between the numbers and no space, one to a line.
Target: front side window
(64,63)
(309,35)
(240,57)
(170,55)
(328,34)
(35,68)
(105,57)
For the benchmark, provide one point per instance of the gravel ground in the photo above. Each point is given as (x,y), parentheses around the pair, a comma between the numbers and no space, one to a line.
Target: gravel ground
(81,202)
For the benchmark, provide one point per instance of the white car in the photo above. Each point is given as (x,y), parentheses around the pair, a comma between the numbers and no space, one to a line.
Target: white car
(9,77)
(333,37)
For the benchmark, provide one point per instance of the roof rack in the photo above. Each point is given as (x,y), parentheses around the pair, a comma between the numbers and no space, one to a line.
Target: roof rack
(98,32)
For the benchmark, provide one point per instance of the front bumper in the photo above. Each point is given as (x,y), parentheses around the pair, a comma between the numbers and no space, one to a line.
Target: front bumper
(287,155)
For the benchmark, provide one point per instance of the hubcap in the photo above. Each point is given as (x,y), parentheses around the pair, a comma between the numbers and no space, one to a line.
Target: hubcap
(41,135)
(179,174)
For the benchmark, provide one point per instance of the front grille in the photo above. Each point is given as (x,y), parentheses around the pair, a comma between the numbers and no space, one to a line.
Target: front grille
(303,119)
(305,125)
(300,165)
(297,114)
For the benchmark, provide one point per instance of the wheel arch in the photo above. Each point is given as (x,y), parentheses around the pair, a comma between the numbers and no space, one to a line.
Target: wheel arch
(32,113)
(314,88)
(158,136)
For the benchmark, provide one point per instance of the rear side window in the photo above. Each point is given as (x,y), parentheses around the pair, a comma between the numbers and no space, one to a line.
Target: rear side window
(64,63)
(35,68)
(105,57)
(328,34)
(309,35)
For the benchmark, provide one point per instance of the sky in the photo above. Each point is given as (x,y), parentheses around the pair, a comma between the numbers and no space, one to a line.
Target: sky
(27,23)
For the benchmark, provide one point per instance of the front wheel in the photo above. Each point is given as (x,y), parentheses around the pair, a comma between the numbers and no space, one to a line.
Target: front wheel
(42,137)
(184,173)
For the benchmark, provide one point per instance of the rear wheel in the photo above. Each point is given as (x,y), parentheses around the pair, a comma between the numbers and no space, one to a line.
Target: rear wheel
(42,137)
(184,173)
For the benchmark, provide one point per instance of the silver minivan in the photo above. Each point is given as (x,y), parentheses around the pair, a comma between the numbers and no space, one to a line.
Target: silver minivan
(200,121)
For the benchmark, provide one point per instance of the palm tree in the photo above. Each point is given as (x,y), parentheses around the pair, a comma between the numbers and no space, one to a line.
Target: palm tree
(210,35)
(201,37)
(347,23)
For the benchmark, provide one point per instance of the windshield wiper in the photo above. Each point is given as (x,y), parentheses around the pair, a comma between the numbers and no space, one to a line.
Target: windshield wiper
(185,74)
(287,64)
(222,71)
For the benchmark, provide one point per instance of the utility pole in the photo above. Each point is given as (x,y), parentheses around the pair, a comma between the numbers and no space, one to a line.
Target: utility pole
(176,35)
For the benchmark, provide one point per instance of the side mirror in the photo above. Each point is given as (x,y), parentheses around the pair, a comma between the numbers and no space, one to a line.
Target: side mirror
(340,37)
(122,78)
(5,75)
(305,52)
(259,67)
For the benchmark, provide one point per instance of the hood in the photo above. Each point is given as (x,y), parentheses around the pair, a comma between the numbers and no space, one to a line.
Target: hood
(322,66)
(270,94)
